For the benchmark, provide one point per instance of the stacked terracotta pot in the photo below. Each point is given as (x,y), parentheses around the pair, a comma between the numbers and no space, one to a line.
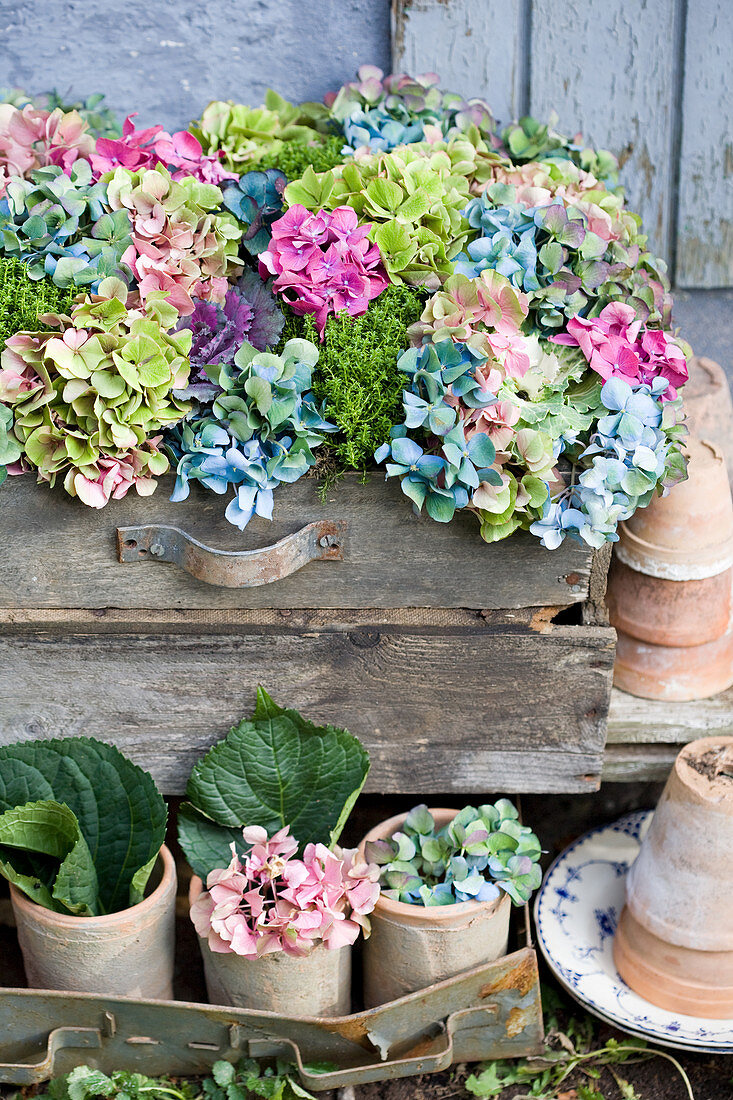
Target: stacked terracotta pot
(670,587)
(674,942)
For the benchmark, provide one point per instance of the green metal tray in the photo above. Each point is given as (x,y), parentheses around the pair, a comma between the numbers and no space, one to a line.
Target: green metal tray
(493,1011)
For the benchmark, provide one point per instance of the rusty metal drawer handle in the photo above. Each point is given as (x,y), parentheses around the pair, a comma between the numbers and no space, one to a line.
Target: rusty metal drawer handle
(319,541)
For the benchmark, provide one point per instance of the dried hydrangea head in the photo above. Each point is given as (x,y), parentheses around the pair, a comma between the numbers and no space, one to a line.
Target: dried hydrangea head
(181,244)
(90,398)
(32,138)
(60,225)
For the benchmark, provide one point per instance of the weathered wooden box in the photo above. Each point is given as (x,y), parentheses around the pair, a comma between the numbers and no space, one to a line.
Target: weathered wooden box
(438,651)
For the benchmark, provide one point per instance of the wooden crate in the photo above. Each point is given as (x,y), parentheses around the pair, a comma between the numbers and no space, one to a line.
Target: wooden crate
(438,651)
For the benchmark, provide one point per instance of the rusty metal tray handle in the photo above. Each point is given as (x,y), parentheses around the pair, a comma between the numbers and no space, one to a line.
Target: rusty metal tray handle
(61,1038)
(319,541)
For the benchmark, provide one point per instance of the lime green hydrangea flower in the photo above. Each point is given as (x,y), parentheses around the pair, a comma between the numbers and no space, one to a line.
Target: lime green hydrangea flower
(90,397)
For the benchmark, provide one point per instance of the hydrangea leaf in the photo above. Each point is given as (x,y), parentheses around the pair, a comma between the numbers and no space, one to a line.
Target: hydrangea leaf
(50,829)
(278,769)
(120,812)
(206,845)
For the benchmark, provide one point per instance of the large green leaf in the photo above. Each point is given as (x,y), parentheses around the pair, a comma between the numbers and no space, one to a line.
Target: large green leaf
(49,829)
(206,844)
(278,769)
(120,812)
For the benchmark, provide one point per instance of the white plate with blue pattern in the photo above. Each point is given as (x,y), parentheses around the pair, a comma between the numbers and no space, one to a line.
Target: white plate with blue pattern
(576,911)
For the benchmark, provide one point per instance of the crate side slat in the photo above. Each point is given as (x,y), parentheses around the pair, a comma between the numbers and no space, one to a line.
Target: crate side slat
(57,553)
(461,710)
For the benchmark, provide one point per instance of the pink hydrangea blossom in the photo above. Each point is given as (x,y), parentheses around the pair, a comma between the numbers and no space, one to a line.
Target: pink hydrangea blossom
(180,152)
(32,138)
(115,476)
(323,263)
(180,245)
(497,420)
(272,901)
(617,345)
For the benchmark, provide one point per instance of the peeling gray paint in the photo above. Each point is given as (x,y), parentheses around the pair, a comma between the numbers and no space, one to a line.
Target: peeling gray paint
(705,230)
(476,46)
(168,58)
(613,69)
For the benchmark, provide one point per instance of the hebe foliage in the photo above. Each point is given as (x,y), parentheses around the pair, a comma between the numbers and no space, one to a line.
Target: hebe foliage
(295,157)
(357,374)
(23,302)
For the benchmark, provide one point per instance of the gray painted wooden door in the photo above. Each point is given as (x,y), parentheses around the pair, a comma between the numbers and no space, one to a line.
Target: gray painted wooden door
(648,79)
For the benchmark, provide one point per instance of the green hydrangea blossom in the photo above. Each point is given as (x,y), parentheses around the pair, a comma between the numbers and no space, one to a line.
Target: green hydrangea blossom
(413,198)
(247,134)
(98,387)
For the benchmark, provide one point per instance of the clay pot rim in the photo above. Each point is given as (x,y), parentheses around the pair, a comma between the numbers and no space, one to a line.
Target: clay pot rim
(645,682)
(106,921)
(667,563)
(426,914)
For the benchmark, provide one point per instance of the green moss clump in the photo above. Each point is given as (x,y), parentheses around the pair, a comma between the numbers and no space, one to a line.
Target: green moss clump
(23,301)
(357,373)
(294,157)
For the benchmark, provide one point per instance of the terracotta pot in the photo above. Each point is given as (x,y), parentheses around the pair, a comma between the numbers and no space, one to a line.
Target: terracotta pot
(319,984)
(674,944)
(671,613)
(708,406)
(414,946)
(125,954)
(675,673)
(688,534)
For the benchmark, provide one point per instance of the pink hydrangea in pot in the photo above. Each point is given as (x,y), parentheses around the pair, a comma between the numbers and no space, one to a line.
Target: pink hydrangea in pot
(282,904)
(276,931)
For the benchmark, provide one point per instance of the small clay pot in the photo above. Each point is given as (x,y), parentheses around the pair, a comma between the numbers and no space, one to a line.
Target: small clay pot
(125,954)
(670,613)
(318,984)
(676,673)
(708,406)
(674,944)
(688,534)
(414,946)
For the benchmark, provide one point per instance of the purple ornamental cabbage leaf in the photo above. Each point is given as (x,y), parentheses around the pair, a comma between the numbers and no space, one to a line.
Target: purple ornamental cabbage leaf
(250,313)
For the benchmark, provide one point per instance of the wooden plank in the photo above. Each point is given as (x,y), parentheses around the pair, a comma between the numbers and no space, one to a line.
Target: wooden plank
(638,763)
(464,710)
(705,217)
(57,553)
(266,620)
(609,68)
(478,47)
(651,722)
